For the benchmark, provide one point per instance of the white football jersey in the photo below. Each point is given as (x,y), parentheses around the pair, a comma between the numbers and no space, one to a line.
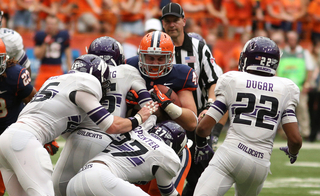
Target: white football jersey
(14,46)
(257,105)
(132,155)
(51,112)
(122,78)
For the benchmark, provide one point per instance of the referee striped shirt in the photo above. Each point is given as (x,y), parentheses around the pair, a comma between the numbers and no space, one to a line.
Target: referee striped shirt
(197,55)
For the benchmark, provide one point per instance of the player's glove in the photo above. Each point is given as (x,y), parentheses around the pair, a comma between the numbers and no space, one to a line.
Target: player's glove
(202,153)
(292,157)
(132,97)
(163,99)
(52,147)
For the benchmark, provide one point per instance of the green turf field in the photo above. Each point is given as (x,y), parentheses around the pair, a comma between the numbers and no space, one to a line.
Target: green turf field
(300,179)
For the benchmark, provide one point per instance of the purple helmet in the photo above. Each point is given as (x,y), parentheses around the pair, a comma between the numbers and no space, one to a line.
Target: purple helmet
(260,54)
(197,36)
(93,65)
(109,49)
(171,133)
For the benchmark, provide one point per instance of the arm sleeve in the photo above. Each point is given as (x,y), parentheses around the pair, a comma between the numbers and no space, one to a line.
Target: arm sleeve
(289,116)
(164,182)
(218,108)
(97,113)
(23,59)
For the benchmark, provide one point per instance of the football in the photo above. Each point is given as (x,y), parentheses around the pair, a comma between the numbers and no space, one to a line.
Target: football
(161,114)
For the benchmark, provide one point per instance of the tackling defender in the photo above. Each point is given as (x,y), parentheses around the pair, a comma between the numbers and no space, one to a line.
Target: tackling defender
(59,107)
(87,141)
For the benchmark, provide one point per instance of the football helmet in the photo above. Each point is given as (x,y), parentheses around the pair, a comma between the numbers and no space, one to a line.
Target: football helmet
(3,57)
(171,133)
(109,49)
(197,36)
(156,45)
(260,54)
(93,65)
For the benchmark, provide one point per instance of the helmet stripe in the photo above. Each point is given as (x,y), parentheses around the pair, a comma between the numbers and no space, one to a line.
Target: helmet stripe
(155,40)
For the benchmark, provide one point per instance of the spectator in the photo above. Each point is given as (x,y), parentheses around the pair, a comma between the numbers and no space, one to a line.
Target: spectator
(110,16)
(47,7)
(152,24)
(218,54)
(50,45)
(197,55)
(244,10)
(129,49)
(8,7)
(200,10)
(88,14)
(297,9)
(314,94)
(24,16)
(131,16)
(67,12)
(313,9)
(236,51)
(278,37)
(275,14)
(297,64)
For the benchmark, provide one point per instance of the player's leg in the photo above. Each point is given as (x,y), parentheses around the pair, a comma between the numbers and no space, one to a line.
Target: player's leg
(81,146)
(12,183)
(216,180)
(97,179)
(22,153)
(250,177)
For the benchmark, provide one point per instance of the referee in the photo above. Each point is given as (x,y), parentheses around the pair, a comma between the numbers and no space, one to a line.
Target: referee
(196,54)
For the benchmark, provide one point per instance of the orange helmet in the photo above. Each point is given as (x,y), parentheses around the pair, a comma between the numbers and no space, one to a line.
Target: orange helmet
(3,57)
(156,52)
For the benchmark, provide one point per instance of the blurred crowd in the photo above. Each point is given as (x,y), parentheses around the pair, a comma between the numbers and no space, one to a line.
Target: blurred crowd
(228,18)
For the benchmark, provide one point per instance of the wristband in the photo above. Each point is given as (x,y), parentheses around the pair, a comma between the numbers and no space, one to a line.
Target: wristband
(139,118)
(201,141)
(217,129)
(173,111)
(134,122)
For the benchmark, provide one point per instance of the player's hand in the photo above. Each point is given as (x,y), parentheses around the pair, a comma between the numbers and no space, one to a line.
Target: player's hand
(292,157)
(202,153)
(52,147)
(132,97)
(163,99)
(146,111)
(48,39)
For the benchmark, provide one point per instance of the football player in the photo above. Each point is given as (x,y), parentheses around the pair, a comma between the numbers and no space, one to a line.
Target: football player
(156,53)
(139,156)
(62,103)
(14,45)
(258,101)
(88,138)
(15,91)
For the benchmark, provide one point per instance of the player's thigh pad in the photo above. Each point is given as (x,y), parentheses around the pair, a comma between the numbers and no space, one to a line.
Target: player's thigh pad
(97,179)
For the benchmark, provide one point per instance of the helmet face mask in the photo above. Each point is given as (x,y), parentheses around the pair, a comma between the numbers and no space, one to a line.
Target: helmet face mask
(156,53)
(93,65)
(170,133)
(3,57)
(260,54)
(109,49)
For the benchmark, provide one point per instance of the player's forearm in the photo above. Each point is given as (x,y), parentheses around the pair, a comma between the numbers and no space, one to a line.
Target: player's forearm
(294,138)
(188,120)
(205,126)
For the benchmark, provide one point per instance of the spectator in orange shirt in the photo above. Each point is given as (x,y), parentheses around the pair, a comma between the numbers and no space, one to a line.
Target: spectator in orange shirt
(131,16)
(48,7)
(235,53)
(110,16)
(88,14)
(7,7)
(211,40)
(297,9)
(67,14)
(274,14)
(200,10)
(23,18)
(313,11)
